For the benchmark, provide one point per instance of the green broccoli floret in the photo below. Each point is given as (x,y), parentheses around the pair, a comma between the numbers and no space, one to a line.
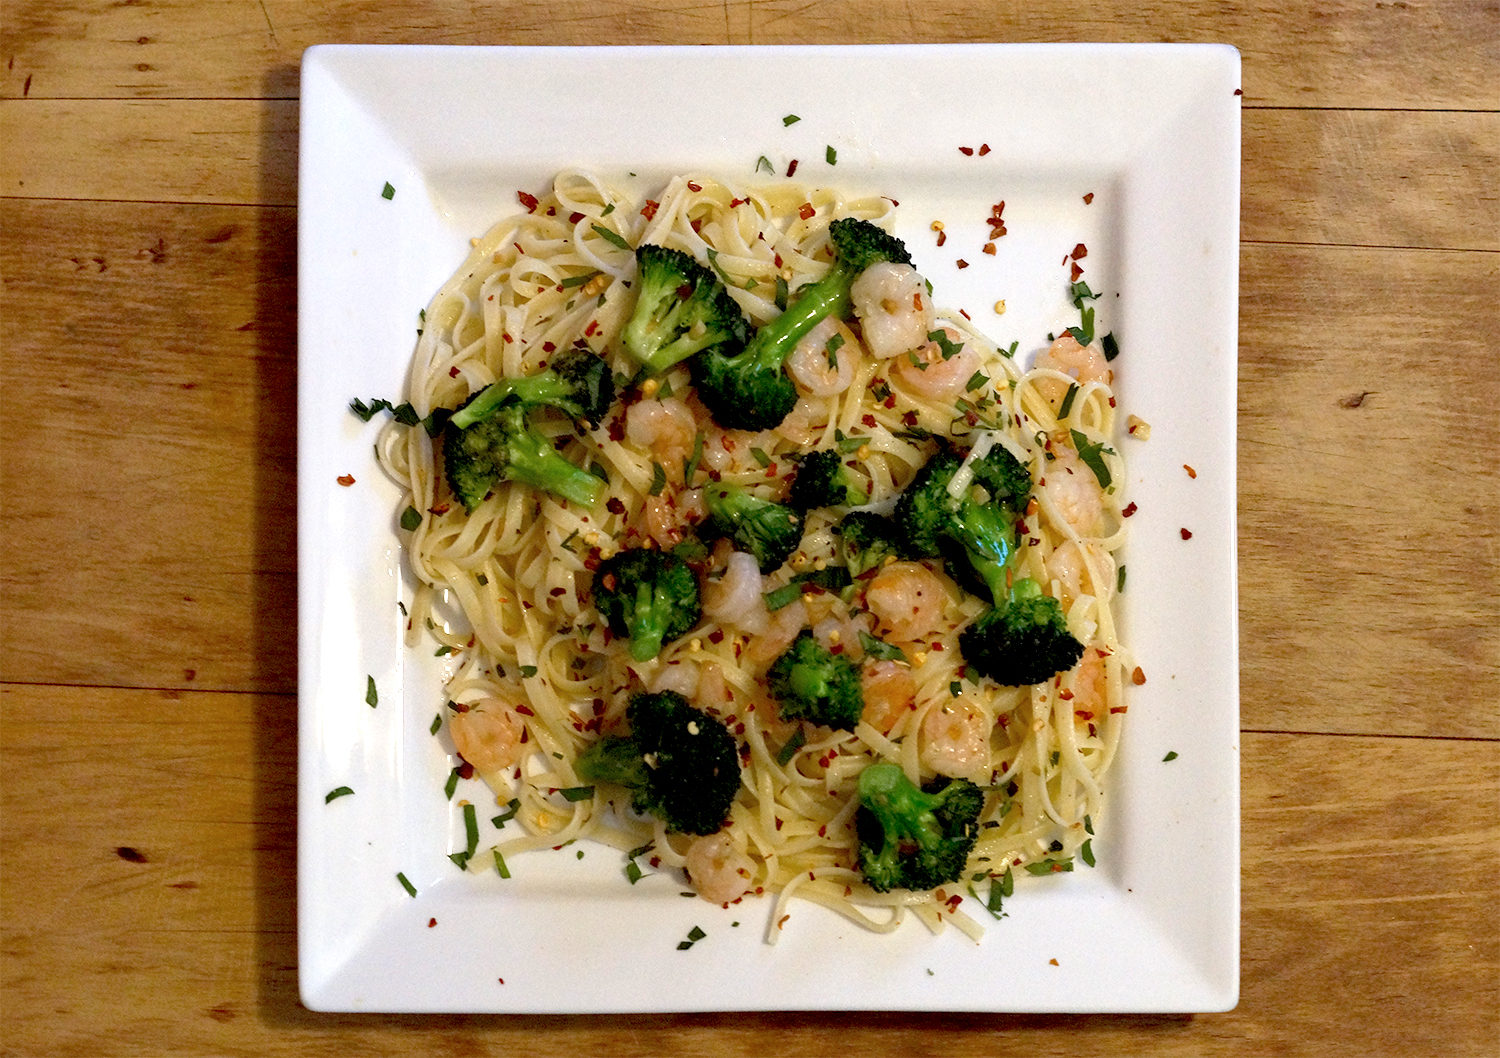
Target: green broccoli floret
(576,382)
(504,447)
(681,308)
(767,530)
(812,683)
(912,838)
(867,540)
(751,391)
(974,531)
(1024,639)
(822,480)
(648,597)
(680,764)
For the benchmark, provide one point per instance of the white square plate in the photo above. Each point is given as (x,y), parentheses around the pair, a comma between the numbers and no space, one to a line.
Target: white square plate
(1150,132)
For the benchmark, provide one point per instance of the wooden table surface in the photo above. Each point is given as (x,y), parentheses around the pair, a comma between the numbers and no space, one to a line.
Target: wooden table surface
(148,662)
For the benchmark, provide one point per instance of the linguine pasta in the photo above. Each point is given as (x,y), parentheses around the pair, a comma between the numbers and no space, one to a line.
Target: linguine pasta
(534,661)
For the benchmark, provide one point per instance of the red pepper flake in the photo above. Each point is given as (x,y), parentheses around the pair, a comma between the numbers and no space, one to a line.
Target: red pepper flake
(465,770)
(733,202)
(1239,91)
(557,593)
(965,314)
(696,224)
(649,209)
(1190,471)
(967,152)
(1088,198)
(525,710)
(591,328)
(942,237)
(507,337)
(1084,714)
(1076,270)
(1119,708)
(989,248)
(778,823)
(1080,252)
(1065,694)
(1128,510)
(549,347)
(346,480)
(527,200)
(806,211)
(868,421)
(1137,677)
(440,509)
(792,167)
(984,148)
(433,922)
(1051,962)
(1187,534)
(574,217)
(453,372)
(615,505)
(962,263)
(716,636)
(694,187)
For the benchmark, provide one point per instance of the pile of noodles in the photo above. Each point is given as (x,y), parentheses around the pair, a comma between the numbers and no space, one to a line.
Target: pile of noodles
(515,573)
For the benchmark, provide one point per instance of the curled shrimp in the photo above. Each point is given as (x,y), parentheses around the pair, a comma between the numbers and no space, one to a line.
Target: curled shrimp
(889,691)
(1070,487)
(719,872)
(938,370)
(1082,363)
(668,517)
(907,599)
(895,314)
(679,676)
(781,629)
(1087,687)
(956,740)
(804,424)
(736,598)
(1069,565)
(664,427)
(488,735)
(823,362)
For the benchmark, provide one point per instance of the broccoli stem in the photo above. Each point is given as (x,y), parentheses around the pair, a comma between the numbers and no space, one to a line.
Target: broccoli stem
(534,462)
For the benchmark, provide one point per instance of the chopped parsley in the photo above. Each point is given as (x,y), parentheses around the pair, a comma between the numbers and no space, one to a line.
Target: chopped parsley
(790,119)
(614,238)
(372,696)
(336,793)
(411,890)
(787,752)
(694,936)
(387,192)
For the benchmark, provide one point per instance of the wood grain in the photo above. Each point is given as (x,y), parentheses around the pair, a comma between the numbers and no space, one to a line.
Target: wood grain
(147,500)
(1368,500)
(1442,54)
(1370,868)
(1376,178)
